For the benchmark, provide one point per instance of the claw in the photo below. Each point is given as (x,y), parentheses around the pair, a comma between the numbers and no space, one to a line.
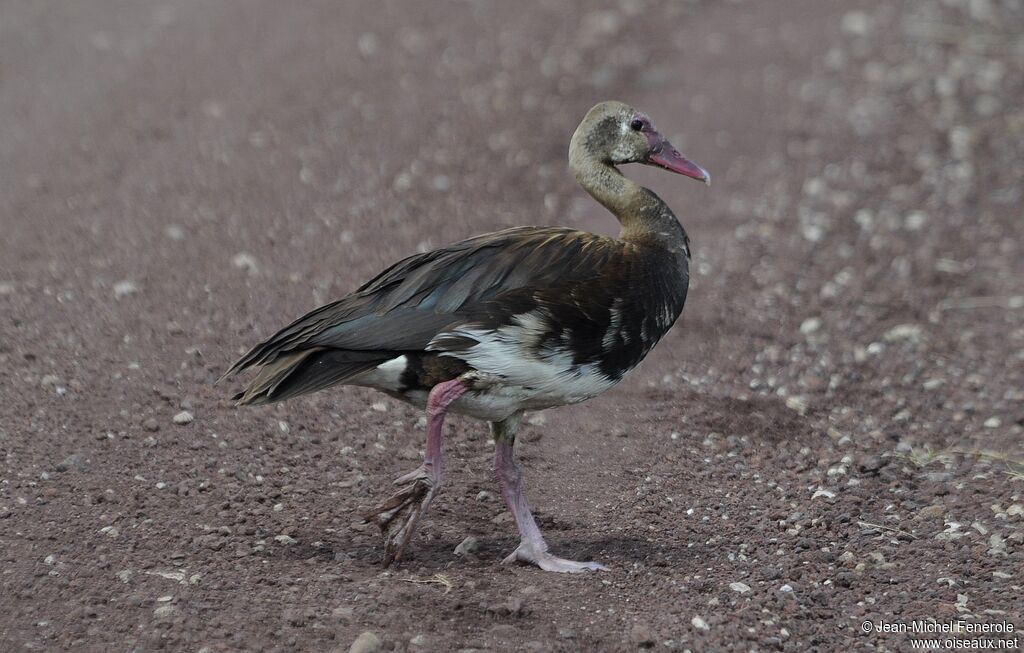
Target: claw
(398,515)
(420,472)
(548,562)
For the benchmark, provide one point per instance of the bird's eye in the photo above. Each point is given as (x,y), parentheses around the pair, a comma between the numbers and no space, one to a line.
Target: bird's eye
(637,125)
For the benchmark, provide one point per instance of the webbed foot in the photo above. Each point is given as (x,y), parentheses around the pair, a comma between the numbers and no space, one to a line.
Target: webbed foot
(527,553)
(399,515)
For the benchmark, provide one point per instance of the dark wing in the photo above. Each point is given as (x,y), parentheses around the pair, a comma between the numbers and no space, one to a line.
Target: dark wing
(407,305)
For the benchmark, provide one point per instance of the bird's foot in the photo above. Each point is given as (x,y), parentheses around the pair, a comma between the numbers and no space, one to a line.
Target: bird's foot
(525,552)
(400,513)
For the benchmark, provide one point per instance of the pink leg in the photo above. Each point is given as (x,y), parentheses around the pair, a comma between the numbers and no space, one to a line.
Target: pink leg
(399,515)
(441,397)
(532,547)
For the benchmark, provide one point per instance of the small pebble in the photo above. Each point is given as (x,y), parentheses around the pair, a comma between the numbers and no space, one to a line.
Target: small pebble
(367,642)
(810,325)
(124,288)
(245,261)
(911,332)
(468,546)
(797,403)
(182,418)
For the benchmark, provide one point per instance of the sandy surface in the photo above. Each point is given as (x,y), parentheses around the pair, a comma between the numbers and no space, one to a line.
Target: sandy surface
(831,434)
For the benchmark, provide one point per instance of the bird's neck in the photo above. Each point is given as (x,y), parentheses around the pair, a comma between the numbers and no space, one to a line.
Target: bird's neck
(643,215)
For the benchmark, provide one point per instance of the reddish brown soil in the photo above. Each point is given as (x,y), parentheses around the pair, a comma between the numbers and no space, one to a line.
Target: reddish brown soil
(835,423)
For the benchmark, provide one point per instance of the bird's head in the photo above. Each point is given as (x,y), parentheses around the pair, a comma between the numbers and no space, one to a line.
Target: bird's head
(616,133)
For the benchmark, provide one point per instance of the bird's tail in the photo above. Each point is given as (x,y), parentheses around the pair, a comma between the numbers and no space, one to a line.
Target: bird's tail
(300,372)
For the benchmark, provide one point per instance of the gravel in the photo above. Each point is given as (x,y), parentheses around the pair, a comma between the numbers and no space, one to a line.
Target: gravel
(856,292)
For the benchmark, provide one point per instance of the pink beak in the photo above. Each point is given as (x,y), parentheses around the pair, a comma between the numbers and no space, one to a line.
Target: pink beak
(663,154)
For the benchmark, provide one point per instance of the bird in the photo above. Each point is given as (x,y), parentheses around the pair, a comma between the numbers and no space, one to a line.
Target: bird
(501,324)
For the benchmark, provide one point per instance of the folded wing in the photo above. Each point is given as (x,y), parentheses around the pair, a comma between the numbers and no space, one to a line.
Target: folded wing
(484,281)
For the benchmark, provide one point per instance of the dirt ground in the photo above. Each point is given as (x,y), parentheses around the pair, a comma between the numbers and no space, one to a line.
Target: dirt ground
(831,434)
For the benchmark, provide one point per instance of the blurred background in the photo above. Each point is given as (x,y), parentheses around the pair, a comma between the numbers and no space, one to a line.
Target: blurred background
(179,179)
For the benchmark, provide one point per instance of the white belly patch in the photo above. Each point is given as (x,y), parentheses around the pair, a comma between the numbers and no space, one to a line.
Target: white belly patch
(527,376)
(521,373)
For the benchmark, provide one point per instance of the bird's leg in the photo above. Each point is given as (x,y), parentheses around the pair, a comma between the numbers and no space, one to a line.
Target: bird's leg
(532,547)
(399,515)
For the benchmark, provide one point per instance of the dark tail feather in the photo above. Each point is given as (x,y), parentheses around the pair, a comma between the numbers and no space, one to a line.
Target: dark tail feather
(306,371)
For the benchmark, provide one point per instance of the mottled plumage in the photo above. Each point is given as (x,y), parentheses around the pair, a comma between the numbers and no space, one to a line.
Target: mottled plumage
(521,319)
(595,300)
